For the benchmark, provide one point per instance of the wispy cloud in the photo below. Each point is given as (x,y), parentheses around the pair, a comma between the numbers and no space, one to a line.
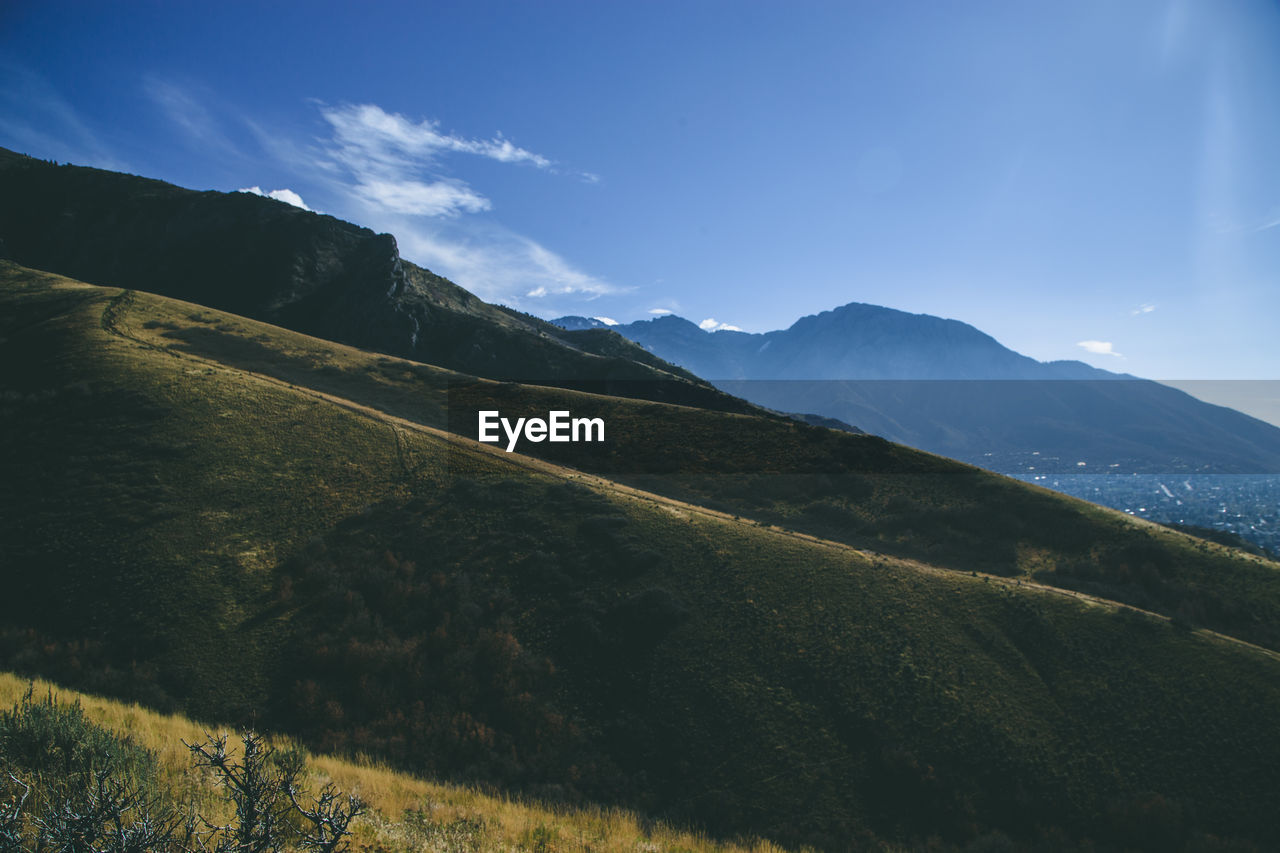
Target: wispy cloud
(497,264)
(661,311)
(35,119)
(395,174)
(288,196)
(188,112)
(711,324)
(1272,222)
(1144,308)
(438,198)
(369,133)
(395,161)
(1098,348)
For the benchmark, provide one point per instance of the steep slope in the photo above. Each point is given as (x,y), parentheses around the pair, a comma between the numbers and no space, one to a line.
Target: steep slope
(861,491)
(944,386)
(190,522)
(261,258)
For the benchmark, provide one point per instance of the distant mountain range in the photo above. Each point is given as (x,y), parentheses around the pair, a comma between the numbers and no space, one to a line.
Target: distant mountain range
(855,341)
(949,388)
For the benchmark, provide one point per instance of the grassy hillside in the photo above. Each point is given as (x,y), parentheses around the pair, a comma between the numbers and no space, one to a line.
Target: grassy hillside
(405,813)
(198,517)
(858,490)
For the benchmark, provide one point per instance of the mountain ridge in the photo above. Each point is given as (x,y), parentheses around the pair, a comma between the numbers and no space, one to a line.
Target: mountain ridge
(884,334)
(307,271)
(947,387)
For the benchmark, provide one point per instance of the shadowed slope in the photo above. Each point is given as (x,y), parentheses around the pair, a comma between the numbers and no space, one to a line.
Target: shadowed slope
(373,584)
(858,490)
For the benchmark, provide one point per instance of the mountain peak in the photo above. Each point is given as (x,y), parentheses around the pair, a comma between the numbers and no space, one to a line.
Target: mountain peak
(672,321)
(576,323)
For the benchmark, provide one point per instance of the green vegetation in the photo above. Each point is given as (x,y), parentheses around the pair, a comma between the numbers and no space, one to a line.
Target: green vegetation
(195,523)
(145,754)
(64,780)
(859,490)
(74,785)
(1223,537)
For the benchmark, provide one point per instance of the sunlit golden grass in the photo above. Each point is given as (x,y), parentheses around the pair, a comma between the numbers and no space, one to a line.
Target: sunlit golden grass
(399,804)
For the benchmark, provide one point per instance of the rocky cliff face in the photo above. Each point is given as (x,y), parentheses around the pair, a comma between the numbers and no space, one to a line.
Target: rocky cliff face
(305,271)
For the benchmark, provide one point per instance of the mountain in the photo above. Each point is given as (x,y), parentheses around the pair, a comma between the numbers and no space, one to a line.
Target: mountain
(946,387)
(212,513)
(577,324)
(855,341)
(266,259)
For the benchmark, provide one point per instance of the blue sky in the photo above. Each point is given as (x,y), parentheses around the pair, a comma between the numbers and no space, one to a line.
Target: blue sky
(1092,180)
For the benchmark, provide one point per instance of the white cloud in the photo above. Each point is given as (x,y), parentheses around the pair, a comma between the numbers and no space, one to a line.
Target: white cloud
(386,172)
(439,198)
(660,311)
(1144,308)
(368,137)
(368,133)
(394,162)
(567,278)
(608,321)
(494,263)
(1098,348)
(288,196)
(711,324)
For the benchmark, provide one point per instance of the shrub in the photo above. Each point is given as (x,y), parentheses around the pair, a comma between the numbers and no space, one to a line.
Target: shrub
(68,784)
(55,743)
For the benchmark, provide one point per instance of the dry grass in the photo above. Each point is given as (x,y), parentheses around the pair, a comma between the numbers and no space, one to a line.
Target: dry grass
(405,813)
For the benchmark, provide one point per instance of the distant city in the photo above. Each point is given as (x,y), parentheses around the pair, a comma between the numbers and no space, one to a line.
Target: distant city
(1247,505)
